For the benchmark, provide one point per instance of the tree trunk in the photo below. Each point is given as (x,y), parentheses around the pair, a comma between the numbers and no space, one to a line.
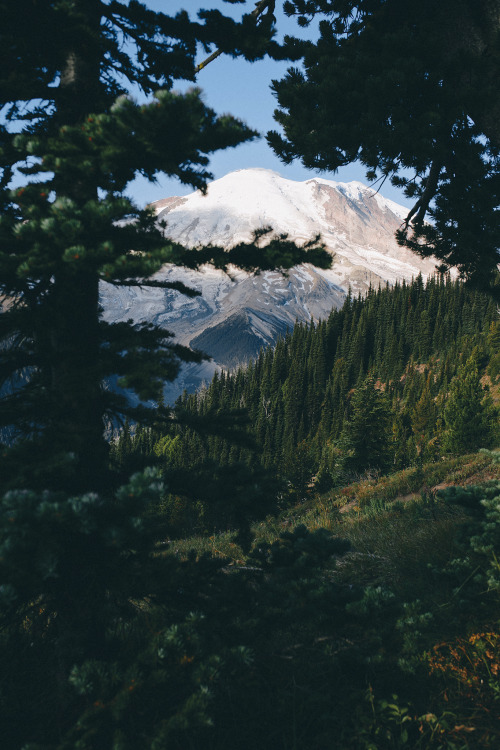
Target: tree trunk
(75,380)
(73,303)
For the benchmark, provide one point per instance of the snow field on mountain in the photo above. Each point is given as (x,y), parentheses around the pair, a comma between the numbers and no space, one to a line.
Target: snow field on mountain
(356,224)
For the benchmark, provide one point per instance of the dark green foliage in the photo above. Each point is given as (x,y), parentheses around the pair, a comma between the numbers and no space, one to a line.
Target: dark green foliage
(46,536)
(306,403)
(403,88)
(365,439)
(494,343)
(111,635)
(298,468)
(78,138)
(469,420)
(99,645)
(418,579)
(139,650)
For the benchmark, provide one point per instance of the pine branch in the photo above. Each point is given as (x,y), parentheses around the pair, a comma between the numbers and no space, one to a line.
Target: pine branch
(264,7)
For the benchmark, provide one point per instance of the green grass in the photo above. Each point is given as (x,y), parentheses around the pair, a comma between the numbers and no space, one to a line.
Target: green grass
(352,512)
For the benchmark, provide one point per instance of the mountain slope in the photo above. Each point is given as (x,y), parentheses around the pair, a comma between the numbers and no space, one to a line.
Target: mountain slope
(236,316)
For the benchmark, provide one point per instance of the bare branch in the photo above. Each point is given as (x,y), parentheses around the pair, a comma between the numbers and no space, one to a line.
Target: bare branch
(421,206)
(382,180)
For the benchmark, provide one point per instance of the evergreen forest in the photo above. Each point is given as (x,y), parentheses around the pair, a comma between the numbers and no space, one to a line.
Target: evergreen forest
(390,381)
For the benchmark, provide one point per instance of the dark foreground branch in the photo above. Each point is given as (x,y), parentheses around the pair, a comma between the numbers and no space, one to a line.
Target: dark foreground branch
(264,7)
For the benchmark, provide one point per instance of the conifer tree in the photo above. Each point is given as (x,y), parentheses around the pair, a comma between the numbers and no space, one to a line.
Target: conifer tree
(494,344)
(468,415)
(97,619)
(78,137)
(409,89)
(424,422)
(365,439)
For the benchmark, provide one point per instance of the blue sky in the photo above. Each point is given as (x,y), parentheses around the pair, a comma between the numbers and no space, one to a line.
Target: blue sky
(242,89)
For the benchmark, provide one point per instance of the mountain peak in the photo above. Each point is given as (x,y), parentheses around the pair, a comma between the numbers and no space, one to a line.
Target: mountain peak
(236,316)
(349,215)
(265,192)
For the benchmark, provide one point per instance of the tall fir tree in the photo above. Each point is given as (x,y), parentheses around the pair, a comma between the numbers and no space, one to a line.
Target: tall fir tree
(74,132)
(94,622)
(365,439)
(469,415)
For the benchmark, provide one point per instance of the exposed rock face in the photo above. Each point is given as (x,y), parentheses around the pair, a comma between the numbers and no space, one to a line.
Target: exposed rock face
(236,316)
(168,203)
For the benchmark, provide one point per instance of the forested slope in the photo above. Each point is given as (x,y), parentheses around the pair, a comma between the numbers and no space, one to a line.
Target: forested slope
(400,377)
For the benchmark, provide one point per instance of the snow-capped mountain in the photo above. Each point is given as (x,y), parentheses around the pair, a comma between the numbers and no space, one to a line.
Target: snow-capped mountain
(237,315)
